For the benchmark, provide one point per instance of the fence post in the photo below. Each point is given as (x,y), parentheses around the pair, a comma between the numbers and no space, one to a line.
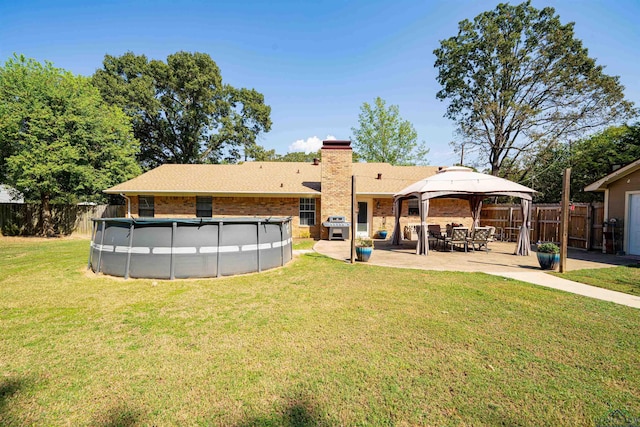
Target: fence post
(588,225)
(564,225)
(536,225)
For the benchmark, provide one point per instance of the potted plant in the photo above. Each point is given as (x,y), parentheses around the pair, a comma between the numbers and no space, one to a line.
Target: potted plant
(364,248)
(548,255)
(382,231)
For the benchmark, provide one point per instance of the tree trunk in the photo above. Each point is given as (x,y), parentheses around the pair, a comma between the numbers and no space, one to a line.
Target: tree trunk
(47,223)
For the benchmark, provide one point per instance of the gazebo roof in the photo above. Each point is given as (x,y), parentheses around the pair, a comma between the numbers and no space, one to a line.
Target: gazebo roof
(461,182)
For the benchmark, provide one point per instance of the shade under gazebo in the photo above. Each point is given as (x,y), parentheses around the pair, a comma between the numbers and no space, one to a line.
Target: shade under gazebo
(462,183)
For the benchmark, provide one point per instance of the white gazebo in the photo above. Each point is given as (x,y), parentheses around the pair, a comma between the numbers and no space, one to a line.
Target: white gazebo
(462,183)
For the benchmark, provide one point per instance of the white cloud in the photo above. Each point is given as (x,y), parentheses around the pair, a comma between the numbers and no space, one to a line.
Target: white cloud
(309,145)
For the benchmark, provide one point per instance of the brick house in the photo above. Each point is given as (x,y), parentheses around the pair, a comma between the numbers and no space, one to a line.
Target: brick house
(307,192)
(622,202)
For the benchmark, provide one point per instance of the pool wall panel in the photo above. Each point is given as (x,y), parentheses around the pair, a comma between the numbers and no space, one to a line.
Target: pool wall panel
(179,248)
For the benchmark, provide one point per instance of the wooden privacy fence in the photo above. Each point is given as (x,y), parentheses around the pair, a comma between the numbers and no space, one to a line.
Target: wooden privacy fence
(585,223)
(25,219)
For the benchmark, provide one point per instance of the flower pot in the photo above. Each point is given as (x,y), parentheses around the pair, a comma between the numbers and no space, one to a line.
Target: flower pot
(548,261)
(382,234)
(363,253)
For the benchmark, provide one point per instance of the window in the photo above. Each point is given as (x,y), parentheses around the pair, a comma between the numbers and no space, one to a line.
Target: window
(413,207)
(203,206)
(307,211)
(145,206)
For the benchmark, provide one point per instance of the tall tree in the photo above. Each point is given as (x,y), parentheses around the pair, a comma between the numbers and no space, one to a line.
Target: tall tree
(590,159)
(299,156)
(517,80)
(181,110)
(61,142)
(382,136)
(259,154)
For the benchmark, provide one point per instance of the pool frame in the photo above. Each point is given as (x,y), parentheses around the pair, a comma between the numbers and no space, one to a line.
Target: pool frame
(170,248)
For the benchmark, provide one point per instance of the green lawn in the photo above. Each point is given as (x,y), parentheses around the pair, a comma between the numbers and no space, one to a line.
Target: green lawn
(303,244)
(622,279)
(319,342)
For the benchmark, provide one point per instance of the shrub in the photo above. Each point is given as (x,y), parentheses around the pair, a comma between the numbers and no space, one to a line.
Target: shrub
(11,229)
(548,248)
(304,234)
(364,242)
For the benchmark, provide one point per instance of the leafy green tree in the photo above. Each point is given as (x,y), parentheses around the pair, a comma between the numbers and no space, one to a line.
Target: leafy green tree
(382,136)
(181,110)
(61,142)
(589,159)
(258,153)
(545,173)
(517,81)
(299,156)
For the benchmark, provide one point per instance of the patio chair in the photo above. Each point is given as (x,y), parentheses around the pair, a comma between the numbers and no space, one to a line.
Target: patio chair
(411,231)
(458,237)
(492,234)
(434,234)
(480,237)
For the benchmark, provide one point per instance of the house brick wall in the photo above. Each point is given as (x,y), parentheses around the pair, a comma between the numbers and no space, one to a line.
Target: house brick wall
(383,218)
(263,206)
(168,206)
(185,207)
(441,211)
(337,170)
(446,211)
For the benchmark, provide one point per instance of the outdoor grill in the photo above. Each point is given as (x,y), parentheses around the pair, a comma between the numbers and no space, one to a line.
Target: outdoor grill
(338,227)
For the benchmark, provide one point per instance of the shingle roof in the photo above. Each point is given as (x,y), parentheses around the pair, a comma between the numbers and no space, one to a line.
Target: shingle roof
(393,179)
(267,178)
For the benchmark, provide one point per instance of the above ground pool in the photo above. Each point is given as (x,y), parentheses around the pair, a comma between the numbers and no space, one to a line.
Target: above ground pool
(181,248)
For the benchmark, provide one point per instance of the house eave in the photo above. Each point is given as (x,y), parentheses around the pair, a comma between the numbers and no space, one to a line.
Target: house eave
(215,193)
(603,183)
(375,195)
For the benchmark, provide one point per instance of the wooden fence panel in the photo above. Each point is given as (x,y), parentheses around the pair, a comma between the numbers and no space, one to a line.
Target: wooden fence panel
(585,223)
(579,217)
(21,218)
(597,220)
(547,219)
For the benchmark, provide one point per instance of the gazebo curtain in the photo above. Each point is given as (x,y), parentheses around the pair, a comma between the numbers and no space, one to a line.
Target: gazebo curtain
(523,245)
(422,248)
(475,203)
(395,237)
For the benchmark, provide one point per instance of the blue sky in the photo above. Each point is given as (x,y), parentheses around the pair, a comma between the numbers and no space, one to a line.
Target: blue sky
(316,62)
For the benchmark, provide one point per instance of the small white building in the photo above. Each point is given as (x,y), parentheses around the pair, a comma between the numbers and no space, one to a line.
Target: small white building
(10,195)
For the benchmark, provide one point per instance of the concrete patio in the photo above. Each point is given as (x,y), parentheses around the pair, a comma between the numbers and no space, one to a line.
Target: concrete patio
(500,257)
(499,261)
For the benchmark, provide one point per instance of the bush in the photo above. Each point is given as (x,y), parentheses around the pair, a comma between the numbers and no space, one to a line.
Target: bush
(548,248)
(364,242)
(11,229)
(304,234)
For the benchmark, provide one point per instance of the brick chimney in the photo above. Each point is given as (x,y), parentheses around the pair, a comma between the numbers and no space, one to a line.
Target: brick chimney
(337,169)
